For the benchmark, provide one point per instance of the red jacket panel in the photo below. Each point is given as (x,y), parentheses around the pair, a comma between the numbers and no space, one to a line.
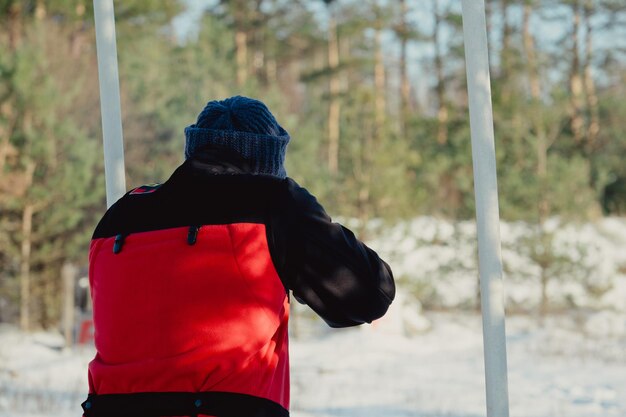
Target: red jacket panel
(174,317)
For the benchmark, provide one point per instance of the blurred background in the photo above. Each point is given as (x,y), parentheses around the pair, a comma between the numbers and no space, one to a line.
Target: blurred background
(374,95)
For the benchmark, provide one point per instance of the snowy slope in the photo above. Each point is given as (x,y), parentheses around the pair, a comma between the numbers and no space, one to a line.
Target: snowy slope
(553,371)
(419,364)
(561,369)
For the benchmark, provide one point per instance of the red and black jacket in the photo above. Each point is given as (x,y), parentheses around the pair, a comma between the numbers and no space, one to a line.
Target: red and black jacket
(190,284)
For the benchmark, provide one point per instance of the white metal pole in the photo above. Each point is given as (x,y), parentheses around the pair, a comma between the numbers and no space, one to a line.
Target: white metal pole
(110,100)
(487,213)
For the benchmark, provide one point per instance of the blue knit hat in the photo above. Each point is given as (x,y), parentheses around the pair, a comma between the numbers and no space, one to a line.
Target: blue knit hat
(245,126)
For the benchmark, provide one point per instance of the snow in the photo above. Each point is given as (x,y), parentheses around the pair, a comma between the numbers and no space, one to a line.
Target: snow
(588,267)
(554,371)
(37,374)
(414,362)
(572,365)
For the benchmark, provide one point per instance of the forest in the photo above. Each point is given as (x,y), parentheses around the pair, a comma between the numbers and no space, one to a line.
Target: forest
(373,93)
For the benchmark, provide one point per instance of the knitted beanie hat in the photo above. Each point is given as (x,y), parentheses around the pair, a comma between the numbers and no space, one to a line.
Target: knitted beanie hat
(245,126)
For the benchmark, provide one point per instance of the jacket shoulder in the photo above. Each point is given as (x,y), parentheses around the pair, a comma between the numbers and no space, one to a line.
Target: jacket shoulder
(189,200)
(145,189)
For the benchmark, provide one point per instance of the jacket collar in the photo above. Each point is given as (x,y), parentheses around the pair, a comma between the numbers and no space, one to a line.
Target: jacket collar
(218,161)
(210,163)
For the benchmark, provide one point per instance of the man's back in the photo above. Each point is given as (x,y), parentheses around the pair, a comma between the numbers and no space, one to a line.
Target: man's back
(192,308)
(190,284)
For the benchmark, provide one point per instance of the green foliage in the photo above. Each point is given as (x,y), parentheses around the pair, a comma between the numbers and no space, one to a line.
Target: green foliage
(375,181)
(63,181)
(443,171)
(49,115)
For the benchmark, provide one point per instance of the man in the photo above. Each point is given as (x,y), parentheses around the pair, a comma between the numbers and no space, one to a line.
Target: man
(190,279)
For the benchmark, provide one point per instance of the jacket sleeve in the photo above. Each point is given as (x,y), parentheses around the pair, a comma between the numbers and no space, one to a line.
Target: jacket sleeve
(327,267)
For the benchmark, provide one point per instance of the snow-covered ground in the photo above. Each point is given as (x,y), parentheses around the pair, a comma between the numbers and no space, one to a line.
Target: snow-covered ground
(555,370)
(571,366)
(419,364)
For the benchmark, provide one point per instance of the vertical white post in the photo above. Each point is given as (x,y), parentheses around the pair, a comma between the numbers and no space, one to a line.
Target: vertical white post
(487,213)
(110,100)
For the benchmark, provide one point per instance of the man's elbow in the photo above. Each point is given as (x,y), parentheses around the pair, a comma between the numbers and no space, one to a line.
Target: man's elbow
(369,306)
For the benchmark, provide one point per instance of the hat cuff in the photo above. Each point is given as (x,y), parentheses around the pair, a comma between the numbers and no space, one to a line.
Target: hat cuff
(265,153)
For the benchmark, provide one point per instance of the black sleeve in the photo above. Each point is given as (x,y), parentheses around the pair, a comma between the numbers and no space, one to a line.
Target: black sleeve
(326,266)
(108,224)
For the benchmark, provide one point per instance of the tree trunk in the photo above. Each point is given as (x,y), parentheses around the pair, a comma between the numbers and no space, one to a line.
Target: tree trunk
(363,174)
(442,110)
(8,113)
(589,85)
(488,19)
(15,26)
(271,71)
(40,10)
(379,80)
(506,33)
(543,202)
(505,52)
(27,227)
(78,36)
(4,147)
(334,107)
(14,29)
(531,54)
(257,41)
(347,75)
(536,112)
(241,44)
(68,274)
(405,86)
(575,80)
(543,303)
